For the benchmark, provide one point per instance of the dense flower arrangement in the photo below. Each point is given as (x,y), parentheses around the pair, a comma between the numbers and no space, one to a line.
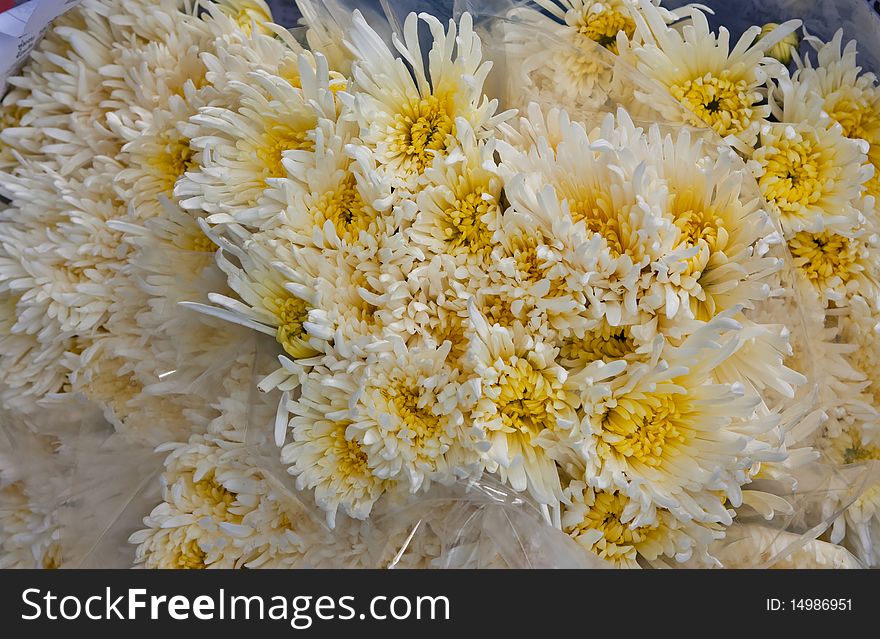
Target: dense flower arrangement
(636,285)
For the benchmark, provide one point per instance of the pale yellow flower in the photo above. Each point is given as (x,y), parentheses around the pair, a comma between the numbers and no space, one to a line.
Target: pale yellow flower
(851,98)
(409,118)
(607,524)
(721,87)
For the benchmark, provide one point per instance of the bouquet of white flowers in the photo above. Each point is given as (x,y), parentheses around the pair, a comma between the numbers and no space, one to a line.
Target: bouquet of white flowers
(551,283)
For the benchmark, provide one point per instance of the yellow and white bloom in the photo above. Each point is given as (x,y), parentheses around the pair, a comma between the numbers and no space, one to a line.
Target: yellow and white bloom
(407,119)
(719,259)
(409,416)
(667,436)
(851,98)
(460,211)
(219,511)
(719,86)
(334,184)
(555,50)
(812,176)
(527,406)
(241,151)
(836,265)
(325,453)
(608,525)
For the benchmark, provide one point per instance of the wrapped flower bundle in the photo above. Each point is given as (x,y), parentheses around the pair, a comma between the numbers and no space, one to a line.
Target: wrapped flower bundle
(380,289)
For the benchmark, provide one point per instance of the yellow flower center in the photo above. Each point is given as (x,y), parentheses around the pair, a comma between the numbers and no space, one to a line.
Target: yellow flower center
(464,227)
(346,209)
(859,118)
(291,312)
(278,138)
(602,26)
(419,419)
(821,256)
(606,343)
(600,217)
(524,250)
(11,115)
(721,102)
(175,160)
(421,132)
(646,428)
(860,453)
(526,400)
(496,310)
(452,329)
(216,498)
(793,174)
(201,243)
(700,228)
(604,515)
(189,556)
(351,459)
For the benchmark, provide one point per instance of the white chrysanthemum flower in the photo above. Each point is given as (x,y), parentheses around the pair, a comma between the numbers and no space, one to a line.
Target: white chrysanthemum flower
(555,53)
(720,87)
(608,525)
(407,117)
(33,484)
(34,364)
(334,184)
(860,326)
(527,405)
(836,265)
(409,416)
(66,260)
(851,98)
(859,525)
(809,173)
(535,278)
(167,53)
(30,537)
(602,205)
(62,94)
(218,512)
(156,156)
(241,150)
(460,211)
(231,59)
(722,229)
(666,436)
(324,453)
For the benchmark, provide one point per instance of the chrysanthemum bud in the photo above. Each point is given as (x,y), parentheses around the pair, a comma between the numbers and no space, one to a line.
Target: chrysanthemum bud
(785,48)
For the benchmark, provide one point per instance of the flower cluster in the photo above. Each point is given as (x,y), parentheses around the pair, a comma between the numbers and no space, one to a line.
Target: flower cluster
(456,293)
(806,123)
(596,313)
